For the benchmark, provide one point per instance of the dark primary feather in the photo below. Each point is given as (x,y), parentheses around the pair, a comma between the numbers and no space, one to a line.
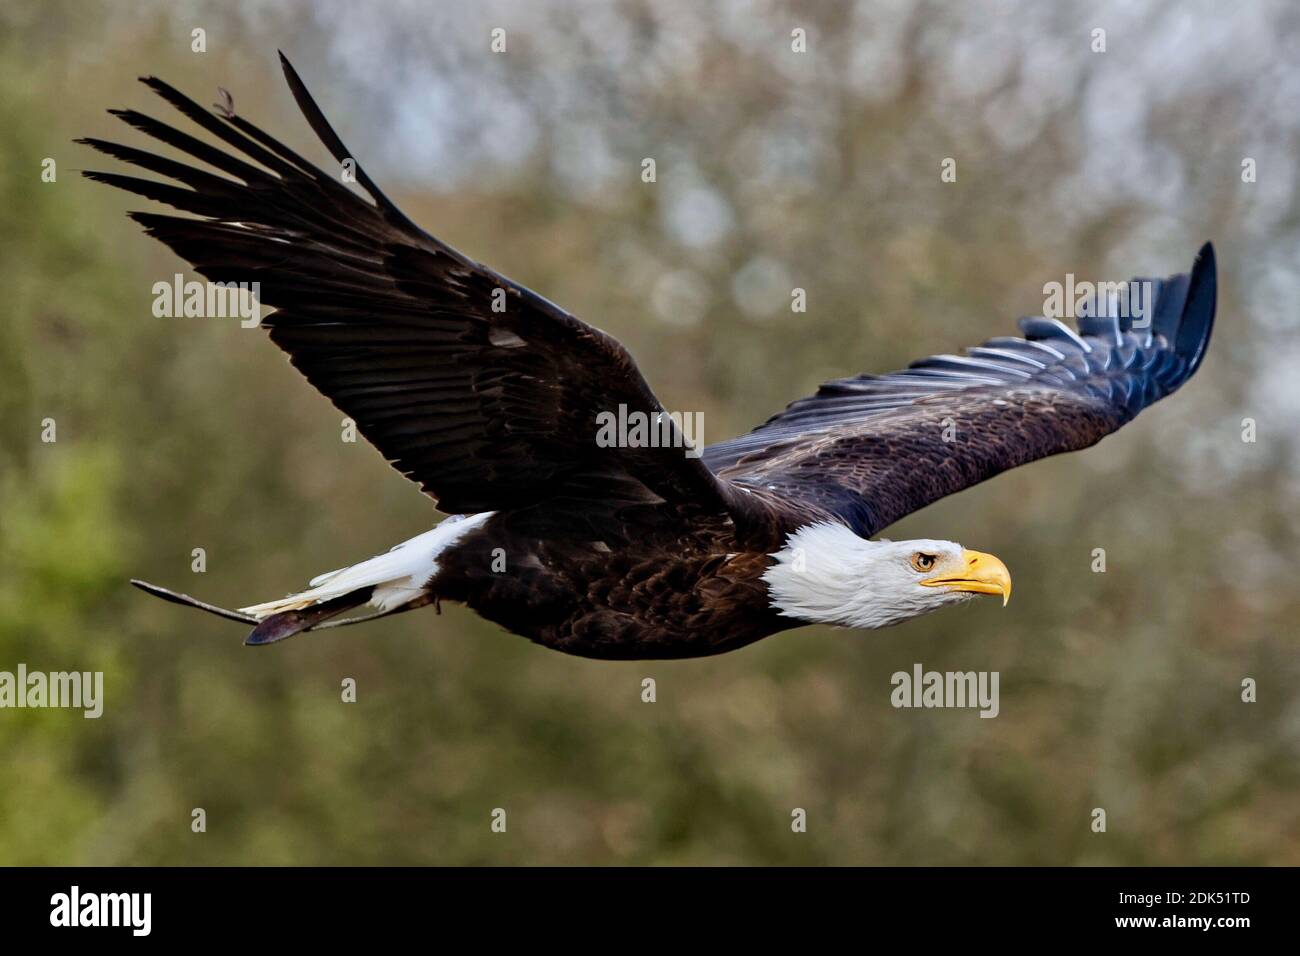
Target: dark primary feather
(872,449)
(486,410)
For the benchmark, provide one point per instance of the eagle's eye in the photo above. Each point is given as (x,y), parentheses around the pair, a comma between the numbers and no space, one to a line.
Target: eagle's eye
(922,561)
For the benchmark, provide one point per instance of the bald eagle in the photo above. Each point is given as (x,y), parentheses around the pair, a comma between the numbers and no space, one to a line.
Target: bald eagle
(489,397)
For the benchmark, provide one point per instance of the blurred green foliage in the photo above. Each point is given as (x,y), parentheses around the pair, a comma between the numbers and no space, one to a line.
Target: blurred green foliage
(1119,690)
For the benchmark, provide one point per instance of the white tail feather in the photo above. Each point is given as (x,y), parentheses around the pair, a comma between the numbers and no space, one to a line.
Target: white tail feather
(398,575)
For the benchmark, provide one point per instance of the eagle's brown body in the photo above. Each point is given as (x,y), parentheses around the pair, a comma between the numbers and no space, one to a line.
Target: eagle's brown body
(657,597)
(489,397)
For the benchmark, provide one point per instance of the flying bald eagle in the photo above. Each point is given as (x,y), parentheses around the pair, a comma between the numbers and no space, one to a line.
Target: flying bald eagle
(490,397)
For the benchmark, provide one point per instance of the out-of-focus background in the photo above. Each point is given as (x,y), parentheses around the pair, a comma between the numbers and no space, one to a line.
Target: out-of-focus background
(775,170)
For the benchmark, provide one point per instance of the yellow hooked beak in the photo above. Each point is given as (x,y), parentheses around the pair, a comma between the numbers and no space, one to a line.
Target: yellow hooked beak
(981,574)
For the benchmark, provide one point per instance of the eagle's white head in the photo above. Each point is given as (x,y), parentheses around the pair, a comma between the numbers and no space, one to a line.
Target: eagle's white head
(826,574)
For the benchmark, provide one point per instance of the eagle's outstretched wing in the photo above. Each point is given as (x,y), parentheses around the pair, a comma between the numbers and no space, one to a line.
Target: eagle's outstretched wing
(872,449)
(490,409)
(483,392)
